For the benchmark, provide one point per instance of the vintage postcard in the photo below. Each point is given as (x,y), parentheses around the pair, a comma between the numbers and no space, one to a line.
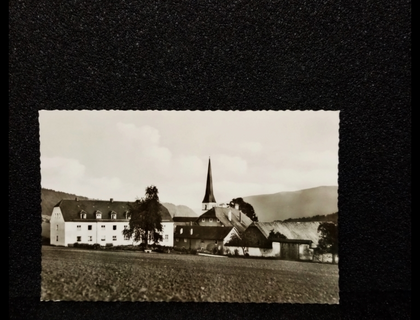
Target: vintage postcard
(191,206)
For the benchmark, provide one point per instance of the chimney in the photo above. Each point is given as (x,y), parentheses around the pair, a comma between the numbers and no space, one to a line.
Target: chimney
(240,216)
(237,206)
(110,200)
(230,215)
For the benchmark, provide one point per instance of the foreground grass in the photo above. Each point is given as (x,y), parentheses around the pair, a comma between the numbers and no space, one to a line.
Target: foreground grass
(96,275)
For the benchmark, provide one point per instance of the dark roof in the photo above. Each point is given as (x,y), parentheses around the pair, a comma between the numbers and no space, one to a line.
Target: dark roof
(300,241)
(71,210)
(209,196)
(222,214)
(184,219)
(200,232)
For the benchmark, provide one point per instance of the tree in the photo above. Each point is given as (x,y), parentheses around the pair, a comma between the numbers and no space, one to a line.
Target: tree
(245,207)
(276,235)
(146,218)
(328,242)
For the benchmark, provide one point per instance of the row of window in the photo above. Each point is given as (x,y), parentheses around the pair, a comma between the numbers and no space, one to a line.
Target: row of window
(114,238)
(89,227)
(210,220)
(98,215)
(103,238)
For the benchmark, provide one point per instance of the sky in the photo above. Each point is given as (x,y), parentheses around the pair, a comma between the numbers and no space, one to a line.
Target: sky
(117,154)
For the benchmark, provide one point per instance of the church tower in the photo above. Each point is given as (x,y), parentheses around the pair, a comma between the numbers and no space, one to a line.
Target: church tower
(209,201)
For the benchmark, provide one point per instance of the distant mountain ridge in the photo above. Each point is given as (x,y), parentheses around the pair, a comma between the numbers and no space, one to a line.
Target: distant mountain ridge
(179,210)
(333,217)
(303,203)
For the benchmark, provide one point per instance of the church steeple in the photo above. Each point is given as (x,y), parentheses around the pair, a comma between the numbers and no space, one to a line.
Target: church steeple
(209,201)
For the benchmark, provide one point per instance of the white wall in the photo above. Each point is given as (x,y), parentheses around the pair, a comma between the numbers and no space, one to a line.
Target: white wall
(57,229)
(101,232)
(167,230)
(68,232)
(258,252)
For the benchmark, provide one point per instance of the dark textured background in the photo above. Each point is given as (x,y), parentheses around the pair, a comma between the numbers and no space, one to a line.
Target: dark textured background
(354,57)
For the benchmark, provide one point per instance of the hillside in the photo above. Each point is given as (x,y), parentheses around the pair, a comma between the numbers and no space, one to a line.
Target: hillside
(333,217)
(179,210)
(49,198)
(295,204)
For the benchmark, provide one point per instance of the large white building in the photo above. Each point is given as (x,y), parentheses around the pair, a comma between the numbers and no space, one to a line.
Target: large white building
(98,222)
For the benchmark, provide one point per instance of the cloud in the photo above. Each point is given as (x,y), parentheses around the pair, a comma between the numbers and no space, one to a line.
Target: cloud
(69,175)
(252,147)
(143,145)
(229,165)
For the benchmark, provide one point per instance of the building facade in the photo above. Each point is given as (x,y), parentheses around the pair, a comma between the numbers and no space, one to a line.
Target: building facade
(202,238)
(98,222)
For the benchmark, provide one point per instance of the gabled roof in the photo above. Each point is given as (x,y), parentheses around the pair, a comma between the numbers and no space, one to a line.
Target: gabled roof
(71,210)
(222,214)
(291,230)
(201,232)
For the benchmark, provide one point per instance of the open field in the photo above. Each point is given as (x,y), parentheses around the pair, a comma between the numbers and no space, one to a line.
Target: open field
(89,275)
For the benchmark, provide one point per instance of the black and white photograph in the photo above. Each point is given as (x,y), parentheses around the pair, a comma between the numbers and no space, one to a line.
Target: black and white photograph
(190,206)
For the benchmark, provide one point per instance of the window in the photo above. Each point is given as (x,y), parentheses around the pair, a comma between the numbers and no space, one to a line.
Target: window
(166,237)
(210,220)
(103,238)
(126,237)
(56,227)
(79,227)
(103,227)
(113,215)
(181,231)
(90,227)
(89,238)
(98,214)
(82,214)
(125,227)
(185,240)
(79,238)
(114,227)
(114,238)
(191,231)
(56,238)
(203,220)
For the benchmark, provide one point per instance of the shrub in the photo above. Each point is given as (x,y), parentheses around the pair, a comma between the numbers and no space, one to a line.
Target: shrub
(76,244)
(109,245)
(236,252)
(193,251)
(214,250)
(183,250)
(96,246)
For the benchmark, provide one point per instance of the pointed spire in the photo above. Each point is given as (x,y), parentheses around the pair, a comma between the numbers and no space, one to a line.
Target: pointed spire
(209,196)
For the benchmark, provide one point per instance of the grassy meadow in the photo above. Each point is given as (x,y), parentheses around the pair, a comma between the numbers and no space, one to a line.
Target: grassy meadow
(102,275)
